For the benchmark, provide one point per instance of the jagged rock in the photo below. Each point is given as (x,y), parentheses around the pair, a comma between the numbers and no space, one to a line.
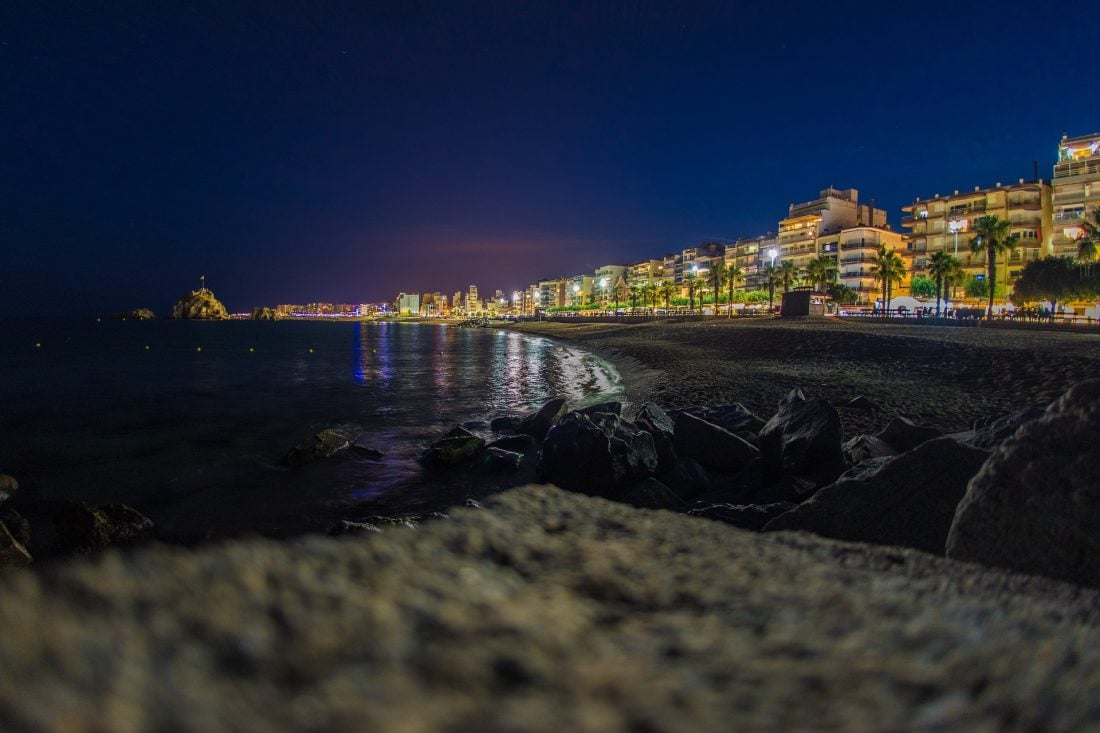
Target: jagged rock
(19,527)
(687,478)
(498,459)
(657,423)
(1035,505)
(199,305)
(264,314)
(13,553)
(862,447)
(804,439)
(652,494)
(84,529)
(505,423)
(613,408)
(457,447)
(346,526)
(324,444)
(864,467)
(861,403)
(475,425)
(539,423)
(904,434)
(745,516)
(516,443)
(599,455)
(734,417)
(988,434)
(363,448)
(787,488)
(909,501)
(138,314)
(471,503)
(711,445)
(744,487)
(8,487)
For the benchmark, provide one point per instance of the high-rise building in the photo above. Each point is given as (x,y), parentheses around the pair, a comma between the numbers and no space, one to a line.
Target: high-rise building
(945,224)
(1075,190)
(811,228)
(858,246)
(456,303)
(610,283)
(580,290)
(552,293)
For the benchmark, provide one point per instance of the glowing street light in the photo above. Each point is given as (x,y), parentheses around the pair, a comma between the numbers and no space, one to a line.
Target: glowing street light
(773,253)
(955,226)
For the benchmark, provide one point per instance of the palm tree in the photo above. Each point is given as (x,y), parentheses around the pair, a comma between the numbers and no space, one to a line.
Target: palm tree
(944,269)
(718,271)
(689,278)
(788,274)
(635,293)
(992,237)
(771,275)
(666,290)
(889,269)
(1089,239)
(734,276)
(822,271)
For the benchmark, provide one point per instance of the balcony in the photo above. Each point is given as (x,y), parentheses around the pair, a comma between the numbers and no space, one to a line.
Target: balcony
(1071,168)
(1026,204)
(859,245)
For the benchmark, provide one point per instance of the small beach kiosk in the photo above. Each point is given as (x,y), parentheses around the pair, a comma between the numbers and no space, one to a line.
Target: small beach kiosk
(803,303)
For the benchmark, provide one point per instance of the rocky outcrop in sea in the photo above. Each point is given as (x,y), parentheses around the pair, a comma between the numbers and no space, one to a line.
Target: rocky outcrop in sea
(199,305)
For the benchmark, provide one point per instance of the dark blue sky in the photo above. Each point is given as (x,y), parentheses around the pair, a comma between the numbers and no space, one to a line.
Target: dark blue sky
(320,151)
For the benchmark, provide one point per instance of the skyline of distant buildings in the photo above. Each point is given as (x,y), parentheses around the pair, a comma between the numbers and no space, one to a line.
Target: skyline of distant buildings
(1045,215)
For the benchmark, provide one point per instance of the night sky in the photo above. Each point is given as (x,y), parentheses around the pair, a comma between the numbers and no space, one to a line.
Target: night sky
(296,152)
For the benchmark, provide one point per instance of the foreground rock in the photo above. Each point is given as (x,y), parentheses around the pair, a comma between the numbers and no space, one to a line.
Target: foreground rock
(84,529)
(13,553)
(903,434)
(458,447)
(803,439)
(909,501)
(745,516)
(711,445)
(324,444)
(538,424)
(199,305)
(1035,505)
(545,611)
(596,454)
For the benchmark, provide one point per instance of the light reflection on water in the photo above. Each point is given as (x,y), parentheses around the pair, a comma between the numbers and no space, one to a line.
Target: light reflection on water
(95,416)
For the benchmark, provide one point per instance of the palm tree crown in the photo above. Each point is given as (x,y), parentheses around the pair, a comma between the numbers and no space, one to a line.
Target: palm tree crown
(822,271)
(888,268)
(1089,238)
(788,274)
(992,237)
(944,270)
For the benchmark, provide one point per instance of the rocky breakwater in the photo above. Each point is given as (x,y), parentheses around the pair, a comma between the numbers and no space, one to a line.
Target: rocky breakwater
(1018,491)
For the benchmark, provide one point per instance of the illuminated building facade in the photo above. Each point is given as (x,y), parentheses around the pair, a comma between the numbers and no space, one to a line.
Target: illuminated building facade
(857,247)
(945,224)
(1075,190)
(812,228)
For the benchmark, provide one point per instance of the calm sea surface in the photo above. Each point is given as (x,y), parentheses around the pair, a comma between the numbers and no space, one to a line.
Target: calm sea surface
(187,421)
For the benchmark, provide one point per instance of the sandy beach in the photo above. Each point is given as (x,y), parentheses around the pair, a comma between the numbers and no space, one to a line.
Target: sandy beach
(945,376)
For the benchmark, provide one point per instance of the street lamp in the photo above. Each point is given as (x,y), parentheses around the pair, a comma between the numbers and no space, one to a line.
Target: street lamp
(603,286)
(954,226)
(773,253)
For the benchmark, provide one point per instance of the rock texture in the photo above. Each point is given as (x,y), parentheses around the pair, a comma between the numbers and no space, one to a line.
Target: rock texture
(803,439)
(324,444)
(8,487)
(711,445)
(545,611)
(264,314)
(84,529)
(909,501)
(1035,505)
(199,305)
(539,423)
(596,454)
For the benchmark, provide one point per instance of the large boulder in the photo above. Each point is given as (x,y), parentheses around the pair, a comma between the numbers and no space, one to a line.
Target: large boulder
(745,516)
(1035,505)
(687,479)
(903,434)
(84,529)
(657,423)
(733,417)
(199,305)
(8,487)
(539,423)
(652,494)
(862,447)
(613,408)
(711,445)
(324,444)
(988,434)
(499,459)
(457,447)
(803,438)
(17,525)
(599,455)
(910,500)
(264,314)
(516,443)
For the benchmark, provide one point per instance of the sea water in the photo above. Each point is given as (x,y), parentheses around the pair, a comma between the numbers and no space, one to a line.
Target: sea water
(188,421)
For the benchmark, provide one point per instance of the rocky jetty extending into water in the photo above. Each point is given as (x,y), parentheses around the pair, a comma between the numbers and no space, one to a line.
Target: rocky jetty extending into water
(200,305)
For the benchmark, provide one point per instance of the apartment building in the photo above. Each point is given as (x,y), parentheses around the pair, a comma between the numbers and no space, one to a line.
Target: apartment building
(813,227)
(553,293)
(610,282)
(581,291)
(857,247)
(1075,190)
(945,224)
(646,272)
